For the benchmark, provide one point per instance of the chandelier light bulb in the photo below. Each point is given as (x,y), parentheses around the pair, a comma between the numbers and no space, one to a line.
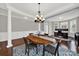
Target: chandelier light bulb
(43,18)
(41,15)
(35,18)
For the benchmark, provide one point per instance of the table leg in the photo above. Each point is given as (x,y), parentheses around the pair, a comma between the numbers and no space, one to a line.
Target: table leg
(43,50)
(58,53)
(36,49)
(28,49)
(25,50)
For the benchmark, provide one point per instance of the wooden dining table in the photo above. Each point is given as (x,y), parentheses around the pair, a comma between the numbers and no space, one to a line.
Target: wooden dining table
(40,40)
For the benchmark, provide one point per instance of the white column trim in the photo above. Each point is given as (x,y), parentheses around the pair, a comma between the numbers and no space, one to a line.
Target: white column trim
(46,27)
(9,29)
(39,27)
(50,29)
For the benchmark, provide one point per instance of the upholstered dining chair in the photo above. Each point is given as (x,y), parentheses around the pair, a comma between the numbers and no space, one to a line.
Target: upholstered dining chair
(29,46)
(51,49)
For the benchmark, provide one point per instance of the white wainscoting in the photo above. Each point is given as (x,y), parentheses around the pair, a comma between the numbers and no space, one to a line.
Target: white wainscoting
(15,35)
(3,36)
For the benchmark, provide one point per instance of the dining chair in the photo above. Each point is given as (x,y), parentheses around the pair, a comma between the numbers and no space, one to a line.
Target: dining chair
(51,49)
(29,46)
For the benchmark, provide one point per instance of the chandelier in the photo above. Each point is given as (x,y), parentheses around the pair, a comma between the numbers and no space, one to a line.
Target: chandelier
(39,17)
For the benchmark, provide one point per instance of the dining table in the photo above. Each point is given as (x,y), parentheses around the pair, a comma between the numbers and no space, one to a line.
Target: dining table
(44,40)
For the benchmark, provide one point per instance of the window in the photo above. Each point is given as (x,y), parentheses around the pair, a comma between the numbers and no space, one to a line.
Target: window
(72,26)
(64,25)
(57,25)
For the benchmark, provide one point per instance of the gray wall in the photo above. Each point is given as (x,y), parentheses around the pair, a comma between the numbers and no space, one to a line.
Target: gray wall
(23,25)
(17,24)
(3,23)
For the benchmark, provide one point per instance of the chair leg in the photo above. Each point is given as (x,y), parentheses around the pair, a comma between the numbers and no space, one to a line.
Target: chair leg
(56,51)
(36,49)
(25,50)
(28,49)
(43,50)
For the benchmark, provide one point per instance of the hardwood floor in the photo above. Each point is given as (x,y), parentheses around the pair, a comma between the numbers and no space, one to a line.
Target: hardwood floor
(4,51)
(17,42)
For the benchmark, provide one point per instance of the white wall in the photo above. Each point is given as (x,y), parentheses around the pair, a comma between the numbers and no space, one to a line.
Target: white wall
(20,27)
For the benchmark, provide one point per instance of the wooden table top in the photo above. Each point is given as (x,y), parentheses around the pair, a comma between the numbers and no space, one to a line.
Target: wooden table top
(43,40)
(39,40)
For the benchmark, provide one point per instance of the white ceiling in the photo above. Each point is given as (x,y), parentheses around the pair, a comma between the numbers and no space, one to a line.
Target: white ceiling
(72,14)
(47,9)
(32,8)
